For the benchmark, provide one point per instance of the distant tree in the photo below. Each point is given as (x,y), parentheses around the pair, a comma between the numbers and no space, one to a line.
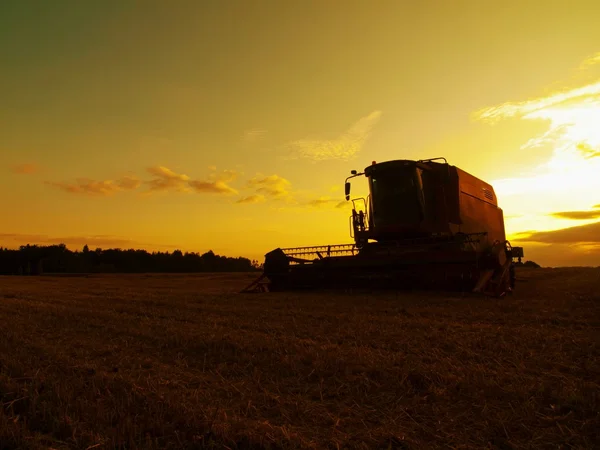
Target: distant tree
(34,259)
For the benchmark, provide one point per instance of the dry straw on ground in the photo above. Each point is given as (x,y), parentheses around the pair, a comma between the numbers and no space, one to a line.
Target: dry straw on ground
(182,361)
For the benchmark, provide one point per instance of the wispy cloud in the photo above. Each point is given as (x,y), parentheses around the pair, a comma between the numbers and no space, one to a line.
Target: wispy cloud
(568,179)
(25,169)
(167,180)
(268,188)
(326,202)
(591,61)
(129,182)
(214,186)
(310,201)
(254,198)
(164,179)
(272,186)
(587,151)
(279,190)
(344,147)
(218,183)
(557,254)
(86,186)
(539,108)
(572,116)
(577,215)
(582,234)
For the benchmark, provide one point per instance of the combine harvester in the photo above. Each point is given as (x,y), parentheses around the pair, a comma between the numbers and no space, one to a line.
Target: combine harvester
(425,224)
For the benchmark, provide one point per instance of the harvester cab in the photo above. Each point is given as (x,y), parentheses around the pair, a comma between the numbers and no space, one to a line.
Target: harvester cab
(423,223)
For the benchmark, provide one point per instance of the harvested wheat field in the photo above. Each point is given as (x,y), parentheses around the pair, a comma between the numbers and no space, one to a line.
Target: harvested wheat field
(183,361)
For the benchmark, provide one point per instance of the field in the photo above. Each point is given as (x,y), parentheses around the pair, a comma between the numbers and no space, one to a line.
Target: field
(183,361)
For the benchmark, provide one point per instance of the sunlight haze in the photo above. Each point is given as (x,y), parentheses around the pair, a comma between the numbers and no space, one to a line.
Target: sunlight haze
(232,126)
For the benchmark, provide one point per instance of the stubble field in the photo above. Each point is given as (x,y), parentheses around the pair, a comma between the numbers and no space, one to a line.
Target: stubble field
(183,361)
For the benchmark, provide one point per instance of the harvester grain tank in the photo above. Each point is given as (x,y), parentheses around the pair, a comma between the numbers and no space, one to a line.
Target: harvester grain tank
(424,224)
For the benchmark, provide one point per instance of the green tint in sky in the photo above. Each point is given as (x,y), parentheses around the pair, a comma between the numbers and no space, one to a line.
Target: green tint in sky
(231,125)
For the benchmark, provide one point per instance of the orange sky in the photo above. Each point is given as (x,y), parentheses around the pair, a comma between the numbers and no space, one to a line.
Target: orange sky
(232,127)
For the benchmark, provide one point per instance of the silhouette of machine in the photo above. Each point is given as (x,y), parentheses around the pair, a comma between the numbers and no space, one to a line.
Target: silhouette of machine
(424,224)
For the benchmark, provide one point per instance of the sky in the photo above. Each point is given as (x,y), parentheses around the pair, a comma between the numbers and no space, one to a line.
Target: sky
(232,125)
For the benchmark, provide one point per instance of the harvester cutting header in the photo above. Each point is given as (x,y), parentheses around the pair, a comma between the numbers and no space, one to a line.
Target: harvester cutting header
(423,224)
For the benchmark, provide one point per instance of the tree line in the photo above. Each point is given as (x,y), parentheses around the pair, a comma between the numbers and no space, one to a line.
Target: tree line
(36,260)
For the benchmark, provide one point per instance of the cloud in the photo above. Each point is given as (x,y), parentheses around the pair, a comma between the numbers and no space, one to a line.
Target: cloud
(254,198)
(587,151)
(86,186)
(577,215)
(278,189)
(215,187)
(218,183)
(344,147)
(25,169)
(572,116)
(567,180)
(302,204)
(129,182)
(167,180)
(535,108)
(327,202)
(573,246)
(592,60)
(557,255)
(582,234)
(273,186)
(164,179)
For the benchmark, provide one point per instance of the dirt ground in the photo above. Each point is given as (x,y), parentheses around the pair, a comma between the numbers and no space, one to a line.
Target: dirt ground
(183,361)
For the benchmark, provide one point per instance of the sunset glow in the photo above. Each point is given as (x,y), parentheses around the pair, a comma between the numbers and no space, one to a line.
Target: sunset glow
(563,190)
(233,128)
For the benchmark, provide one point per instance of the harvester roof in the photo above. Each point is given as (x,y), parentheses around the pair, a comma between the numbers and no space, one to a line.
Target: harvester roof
(398,164)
